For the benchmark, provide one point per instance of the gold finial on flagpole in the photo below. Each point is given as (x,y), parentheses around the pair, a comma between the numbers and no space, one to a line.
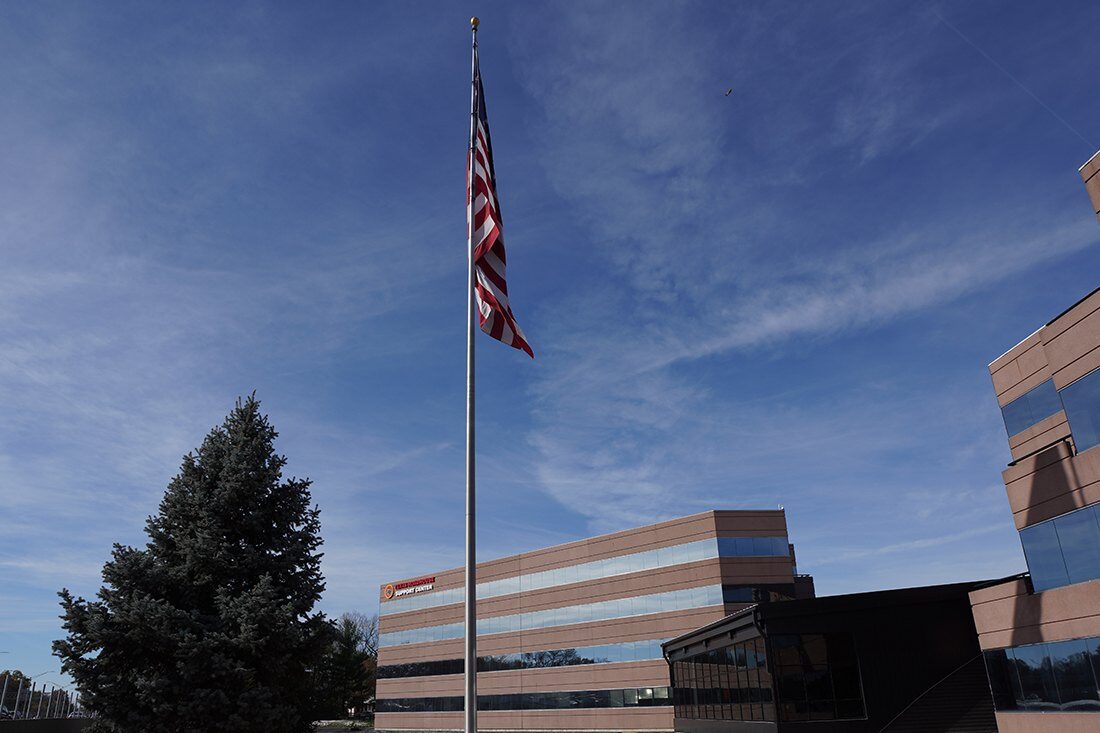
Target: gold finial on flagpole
(475,22)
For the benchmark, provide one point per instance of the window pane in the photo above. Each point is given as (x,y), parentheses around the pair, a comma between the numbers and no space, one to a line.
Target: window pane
(813,646)
(1033,406)
(1017,416)
(1082,401)
(998,668)
(1073,675)
(849,709)
(817,677)
(818,684)
(1044,401)
(1093,645)
(1079,536)
(785,649)
(791,684)
(1037,691)
(1044,556)
(846,681)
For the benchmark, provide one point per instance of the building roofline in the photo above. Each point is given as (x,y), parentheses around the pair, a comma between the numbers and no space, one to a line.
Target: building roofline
(830,604)
(1076,303)
(1088,161)
(750,610)
(1079,302)
(1010,348)
(561,545)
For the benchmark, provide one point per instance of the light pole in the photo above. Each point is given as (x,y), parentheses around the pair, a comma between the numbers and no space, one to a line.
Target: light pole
(34,677)
(51,706)
(30,697)
(18,692)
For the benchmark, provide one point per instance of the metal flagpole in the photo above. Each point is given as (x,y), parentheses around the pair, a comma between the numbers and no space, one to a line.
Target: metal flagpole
(470,667)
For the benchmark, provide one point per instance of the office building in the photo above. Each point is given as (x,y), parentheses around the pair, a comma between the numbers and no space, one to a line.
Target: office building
(894,661)
(569,637)
(1041,634)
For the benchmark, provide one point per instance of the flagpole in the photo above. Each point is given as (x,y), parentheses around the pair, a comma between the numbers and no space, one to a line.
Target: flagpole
(470,666)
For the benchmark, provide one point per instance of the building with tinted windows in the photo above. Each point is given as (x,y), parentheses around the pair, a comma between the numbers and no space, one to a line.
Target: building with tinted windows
(569,637)
(1042,633)
(895,661)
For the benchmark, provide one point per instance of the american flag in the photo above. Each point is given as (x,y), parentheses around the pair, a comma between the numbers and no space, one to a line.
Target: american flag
(491,289)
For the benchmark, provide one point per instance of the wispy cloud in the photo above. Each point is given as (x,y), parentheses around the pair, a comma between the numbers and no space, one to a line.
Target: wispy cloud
(707,260)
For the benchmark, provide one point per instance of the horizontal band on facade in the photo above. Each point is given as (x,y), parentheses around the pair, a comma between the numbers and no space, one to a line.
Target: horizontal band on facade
(676,600)
(630,651)
(630,697)
(661,557)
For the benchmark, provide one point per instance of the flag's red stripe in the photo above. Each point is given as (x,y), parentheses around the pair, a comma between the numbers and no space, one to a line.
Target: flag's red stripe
(487,228)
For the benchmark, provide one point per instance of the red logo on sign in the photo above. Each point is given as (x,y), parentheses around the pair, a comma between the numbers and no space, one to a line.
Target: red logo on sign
(411,583)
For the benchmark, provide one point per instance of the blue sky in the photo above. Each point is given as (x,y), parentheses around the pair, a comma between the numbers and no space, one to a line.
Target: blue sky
(784,296)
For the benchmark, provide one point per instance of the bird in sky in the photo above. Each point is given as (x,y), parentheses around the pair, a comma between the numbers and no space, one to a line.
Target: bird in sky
(729,92)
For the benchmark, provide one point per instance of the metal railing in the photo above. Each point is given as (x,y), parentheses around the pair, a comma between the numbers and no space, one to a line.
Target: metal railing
(22,701)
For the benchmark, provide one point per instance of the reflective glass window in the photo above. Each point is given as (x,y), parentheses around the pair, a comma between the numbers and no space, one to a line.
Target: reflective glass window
(1044,556)
(817,677)
(1031,407)
(763,546)
(647,696)
(752,547)
(1073,675)
(1079,537)
(1036,678)
(729,683)
(1064,550)
(1082,403)
(1093,645)
(1055,676)
(616,608)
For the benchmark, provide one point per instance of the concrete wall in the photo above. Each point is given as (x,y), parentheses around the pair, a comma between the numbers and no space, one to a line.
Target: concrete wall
(1008,615)
(44,726)
(1046,722)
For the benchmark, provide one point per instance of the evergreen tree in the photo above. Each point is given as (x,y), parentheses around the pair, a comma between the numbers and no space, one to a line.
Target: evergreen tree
(210,627)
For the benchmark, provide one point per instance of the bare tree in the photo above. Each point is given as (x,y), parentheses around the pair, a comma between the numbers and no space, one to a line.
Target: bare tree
(347,676)
(368,629)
